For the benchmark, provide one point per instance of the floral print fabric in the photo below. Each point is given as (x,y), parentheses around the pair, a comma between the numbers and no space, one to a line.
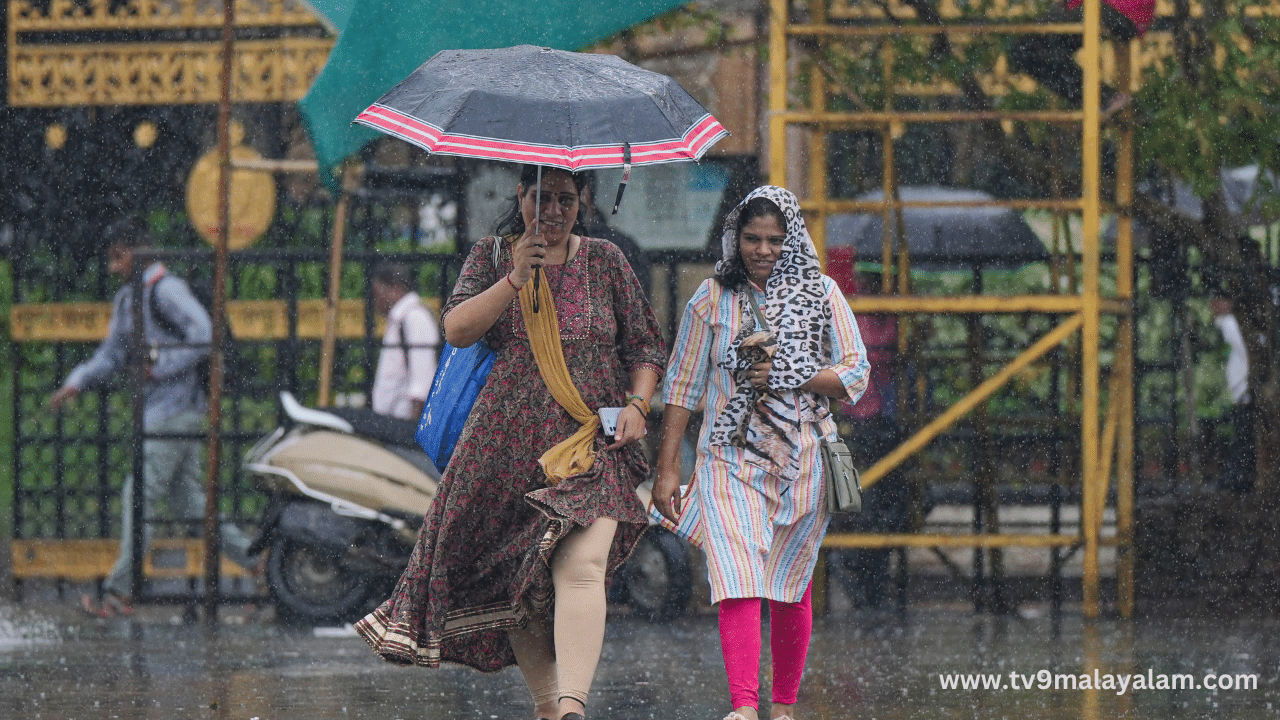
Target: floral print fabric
(481,562)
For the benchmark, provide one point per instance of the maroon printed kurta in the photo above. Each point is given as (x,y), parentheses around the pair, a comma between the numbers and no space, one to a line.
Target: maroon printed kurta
(481,562)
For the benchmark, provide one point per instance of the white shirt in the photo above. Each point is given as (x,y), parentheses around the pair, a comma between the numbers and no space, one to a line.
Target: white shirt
(1238,361)
(396,384)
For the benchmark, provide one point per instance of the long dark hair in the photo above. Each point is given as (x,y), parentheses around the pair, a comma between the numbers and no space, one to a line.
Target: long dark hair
(512,223)
(732,274)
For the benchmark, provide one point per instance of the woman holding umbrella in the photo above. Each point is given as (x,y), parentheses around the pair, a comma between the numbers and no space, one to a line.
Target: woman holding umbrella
(537,507)
(767,342)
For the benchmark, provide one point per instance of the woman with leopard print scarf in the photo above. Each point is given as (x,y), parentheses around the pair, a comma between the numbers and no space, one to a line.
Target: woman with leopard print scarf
(756,502)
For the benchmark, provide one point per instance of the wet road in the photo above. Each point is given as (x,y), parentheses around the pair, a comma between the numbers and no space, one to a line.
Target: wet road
(57,664)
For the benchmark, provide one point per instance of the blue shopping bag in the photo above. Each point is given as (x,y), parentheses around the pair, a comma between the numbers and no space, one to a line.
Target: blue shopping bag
(459,378)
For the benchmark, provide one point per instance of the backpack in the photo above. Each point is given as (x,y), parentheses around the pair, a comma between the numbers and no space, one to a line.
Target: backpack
(459,378)
(233,366)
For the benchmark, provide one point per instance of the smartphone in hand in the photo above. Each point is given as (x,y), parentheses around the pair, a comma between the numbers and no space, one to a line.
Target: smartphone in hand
(609,420)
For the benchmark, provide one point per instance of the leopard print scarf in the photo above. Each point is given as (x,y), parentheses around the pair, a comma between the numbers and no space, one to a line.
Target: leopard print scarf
(767,424)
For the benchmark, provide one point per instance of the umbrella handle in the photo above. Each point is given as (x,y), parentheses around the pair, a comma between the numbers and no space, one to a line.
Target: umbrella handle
(537,210)
(626,175)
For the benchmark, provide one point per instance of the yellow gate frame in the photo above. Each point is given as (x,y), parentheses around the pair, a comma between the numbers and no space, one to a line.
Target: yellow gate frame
(1083,310)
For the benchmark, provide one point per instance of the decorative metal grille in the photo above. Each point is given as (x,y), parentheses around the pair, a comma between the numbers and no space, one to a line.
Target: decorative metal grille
(152,52)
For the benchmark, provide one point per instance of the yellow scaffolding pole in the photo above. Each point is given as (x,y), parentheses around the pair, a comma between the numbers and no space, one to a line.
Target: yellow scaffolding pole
(1084,306)
(969,402)
(1124,342)
(1089,372)
(777,91)
(817,221)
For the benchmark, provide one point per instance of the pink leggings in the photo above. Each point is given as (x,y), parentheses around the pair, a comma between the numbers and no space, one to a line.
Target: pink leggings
(790,625)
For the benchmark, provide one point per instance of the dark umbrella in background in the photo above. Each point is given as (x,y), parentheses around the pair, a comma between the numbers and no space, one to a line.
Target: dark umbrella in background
(527,104)
(1245,189)
(943,236)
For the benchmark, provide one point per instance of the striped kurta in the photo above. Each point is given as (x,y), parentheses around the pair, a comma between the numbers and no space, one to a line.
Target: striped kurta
(760,532)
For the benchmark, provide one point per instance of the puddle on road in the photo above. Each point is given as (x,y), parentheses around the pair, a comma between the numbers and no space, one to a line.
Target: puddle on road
(20,629)
(859,667)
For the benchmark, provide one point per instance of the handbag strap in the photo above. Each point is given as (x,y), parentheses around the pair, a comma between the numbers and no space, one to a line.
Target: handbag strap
(755,308)
(763,324)
(497,252)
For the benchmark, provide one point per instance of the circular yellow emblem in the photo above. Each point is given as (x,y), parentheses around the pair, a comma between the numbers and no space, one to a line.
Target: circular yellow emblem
(145,134)
(55,136)
(252,199)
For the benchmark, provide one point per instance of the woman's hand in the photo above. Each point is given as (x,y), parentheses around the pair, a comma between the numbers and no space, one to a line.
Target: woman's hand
(631,427)
(666,493)
(827,382)
(529,252)
(666,486)
(759,374)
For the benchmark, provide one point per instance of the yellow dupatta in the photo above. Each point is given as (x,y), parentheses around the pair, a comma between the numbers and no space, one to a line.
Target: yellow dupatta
(574,455)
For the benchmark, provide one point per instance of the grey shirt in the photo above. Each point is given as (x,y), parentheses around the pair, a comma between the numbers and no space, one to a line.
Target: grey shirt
(173,387)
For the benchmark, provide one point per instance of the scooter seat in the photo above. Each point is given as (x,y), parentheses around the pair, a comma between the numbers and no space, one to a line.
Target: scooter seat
(383,428)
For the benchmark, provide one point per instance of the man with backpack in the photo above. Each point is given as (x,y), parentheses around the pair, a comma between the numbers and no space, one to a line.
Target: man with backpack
(177,332)
(410,345)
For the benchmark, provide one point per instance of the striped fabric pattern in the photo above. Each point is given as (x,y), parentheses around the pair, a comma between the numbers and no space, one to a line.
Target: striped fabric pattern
(695,141)
(760,532)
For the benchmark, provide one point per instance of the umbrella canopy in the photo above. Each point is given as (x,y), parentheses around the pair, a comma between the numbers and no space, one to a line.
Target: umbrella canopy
(550,107)
(942,237)
(1246,190)
(382,41)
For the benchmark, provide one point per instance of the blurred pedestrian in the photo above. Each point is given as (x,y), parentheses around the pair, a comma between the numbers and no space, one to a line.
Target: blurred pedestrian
(597,226)
(410,344)
(177,330)
(757,501)
(1239,467)
(537,507)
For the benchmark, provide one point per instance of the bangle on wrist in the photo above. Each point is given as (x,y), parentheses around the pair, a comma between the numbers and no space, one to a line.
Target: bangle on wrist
(513,285)
(641,404)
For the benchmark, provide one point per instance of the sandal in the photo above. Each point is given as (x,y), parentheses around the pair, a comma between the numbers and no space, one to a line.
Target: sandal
(117,604)
(111,606)
(573,715)
(735,716)
(93,608)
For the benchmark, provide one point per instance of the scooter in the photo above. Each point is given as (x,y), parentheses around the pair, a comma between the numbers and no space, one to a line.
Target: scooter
(348,490)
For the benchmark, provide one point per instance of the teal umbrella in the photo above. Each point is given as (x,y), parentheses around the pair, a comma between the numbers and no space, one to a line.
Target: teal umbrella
(383,41)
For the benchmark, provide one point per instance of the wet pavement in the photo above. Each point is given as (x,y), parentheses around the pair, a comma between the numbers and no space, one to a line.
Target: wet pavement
(55,663)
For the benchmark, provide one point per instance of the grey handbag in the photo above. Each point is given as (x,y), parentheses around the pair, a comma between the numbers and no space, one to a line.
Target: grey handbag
(844,488)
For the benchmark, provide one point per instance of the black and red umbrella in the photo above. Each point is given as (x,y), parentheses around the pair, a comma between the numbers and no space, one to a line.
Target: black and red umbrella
(528,104)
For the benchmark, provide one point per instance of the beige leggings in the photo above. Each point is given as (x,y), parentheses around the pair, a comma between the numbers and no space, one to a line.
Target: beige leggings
(562,663)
